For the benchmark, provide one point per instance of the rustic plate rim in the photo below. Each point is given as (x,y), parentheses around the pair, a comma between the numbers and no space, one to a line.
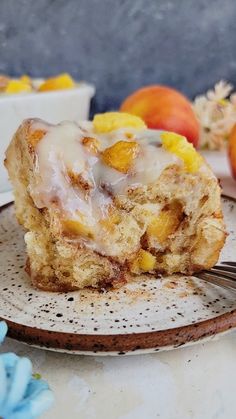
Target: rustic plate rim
(122,343)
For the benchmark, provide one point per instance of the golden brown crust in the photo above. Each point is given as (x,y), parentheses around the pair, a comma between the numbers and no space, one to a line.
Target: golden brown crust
(46,283)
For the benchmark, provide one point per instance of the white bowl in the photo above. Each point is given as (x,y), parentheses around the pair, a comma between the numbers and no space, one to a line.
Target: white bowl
(53,106)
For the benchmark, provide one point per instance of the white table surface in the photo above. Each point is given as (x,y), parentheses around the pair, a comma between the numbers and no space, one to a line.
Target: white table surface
(197,382)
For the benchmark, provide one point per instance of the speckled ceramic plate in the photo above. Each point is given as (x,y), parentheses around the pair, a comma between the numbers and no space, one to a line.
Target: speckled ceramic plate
(143,316)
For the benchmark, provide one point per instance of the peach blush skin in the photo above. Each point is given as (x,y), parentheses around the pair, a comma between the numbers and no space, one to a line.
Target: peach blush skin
(164,108)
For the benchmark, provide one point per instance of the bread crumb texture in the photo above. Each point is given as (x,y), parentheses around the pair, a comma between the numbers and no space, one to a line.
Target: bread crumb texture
(171,225)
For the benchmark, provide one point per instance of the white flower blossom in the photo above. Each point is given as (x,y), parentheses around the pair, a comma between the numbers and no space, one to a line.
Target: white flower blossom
(216,112)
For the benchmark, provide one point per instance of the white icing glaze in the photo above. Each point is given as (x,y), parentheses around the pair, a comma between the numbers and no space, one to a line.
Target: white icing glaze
(58,151)
(61,151)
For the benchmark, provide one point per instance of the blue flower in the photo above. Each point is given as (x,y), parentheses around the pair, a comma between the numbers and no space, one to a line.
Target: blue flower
(3,331)
(21,395)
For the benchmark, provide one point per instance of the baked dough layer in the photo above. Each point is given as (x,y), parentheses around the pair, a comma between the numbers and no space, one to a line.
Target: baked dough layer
(171,224)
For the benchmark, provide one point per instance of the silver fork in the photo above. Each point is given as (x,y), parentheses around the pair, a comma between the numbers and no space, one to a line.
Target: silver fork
(223,275)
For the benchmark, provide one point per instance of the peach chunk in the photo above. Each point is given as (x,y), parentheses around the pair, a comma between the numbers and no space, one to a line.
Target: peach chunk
(26,79)
(121,155)
(76,228)
(162,107)
(60,82)
(109,121)
(232,151)
(166,222)
(17,86)
(178,145)
(144,262)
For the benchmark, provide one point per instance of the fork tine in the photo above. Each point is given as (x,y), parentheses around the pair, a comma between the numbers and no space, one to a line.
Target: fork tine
(225,268)
(228,272)
(229,263)
(223,276)
(218,280)
(213,281)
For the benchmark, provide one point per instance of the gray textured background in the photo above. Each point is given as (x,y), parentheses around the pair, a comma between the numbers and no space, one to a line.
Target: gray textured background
(120,45)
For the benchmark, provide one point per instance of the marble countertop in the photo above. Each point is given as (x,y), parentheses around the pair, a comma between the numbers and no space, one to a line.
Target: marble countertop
(196,382)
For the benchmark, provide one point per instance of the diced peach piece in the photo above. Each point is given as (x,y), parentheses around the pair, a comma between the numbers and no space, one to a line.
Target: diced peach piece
(121,155)
(109,121)
(143,262)
(165,223)
(146,261)
(232,151)
(91,144)
(17,86)
(60,82)
(178,145)
(25,79)
(77,228)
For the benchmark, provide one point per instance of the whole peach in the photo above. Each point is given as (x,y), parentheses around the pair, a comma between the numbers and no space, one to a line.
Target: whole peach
(162,107)
(232,151)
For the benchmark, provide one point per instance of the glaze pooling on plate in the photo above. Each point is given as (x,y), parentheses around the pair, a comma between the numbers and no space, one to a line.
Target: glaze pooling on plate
(136,309)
